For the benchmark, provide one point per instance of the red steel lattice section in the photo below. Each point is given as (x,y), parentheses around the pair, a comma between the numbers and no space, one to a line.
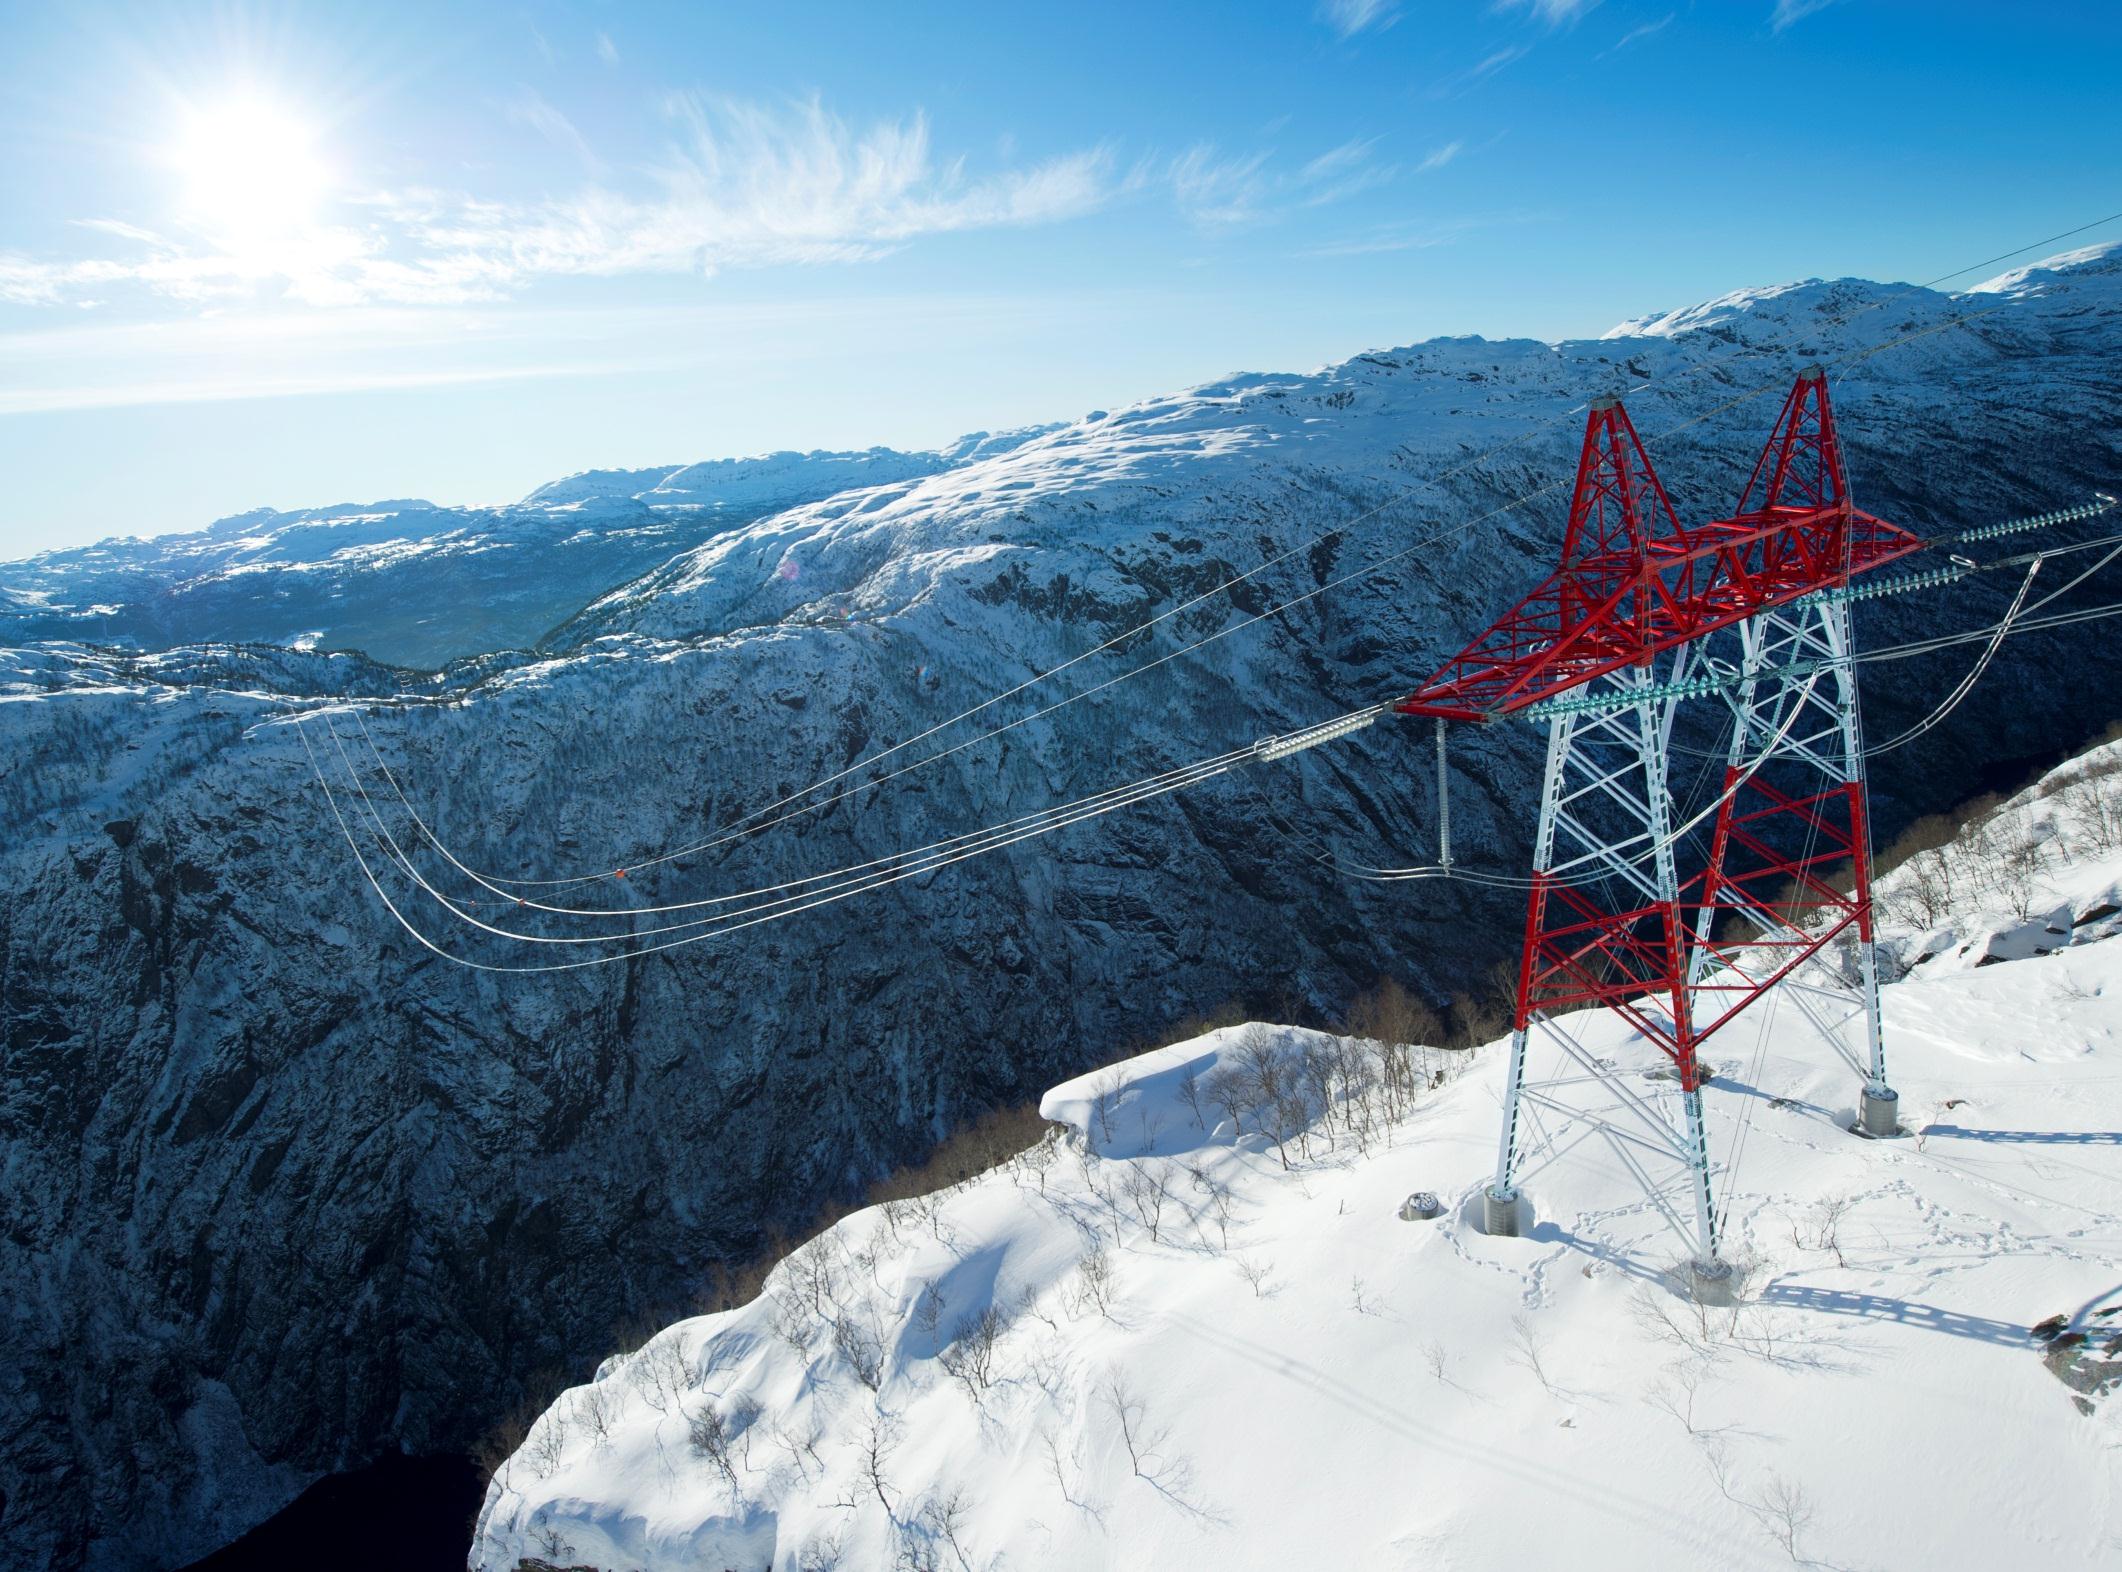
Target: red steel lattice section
(1635,582)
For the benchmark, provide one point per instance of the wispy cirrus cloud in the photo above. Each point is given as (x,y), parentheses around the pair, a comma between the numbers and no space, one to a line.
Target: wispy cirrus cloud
(1638,33)
(741,186)
(530,110)
(1437,158)
(1555,13)
(1215,189)
(1350,17)
(1791,11)
(1414,236)
(1481,70)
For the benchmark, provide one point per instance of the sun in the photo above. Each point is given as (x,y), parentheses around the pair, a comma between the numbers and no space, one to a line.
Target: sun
(248,168)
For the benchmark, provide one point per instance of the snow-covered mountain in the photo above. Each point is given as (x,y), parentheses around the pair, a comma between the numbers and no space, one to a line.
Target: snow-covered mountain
(415,585)
(1176,1333)
(284,1190)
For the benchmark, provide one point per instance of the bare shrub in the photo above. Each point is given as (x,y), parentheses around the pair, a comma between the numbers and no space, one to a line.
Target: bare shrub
(970,1355)
(1388,1015)
(2095,807)
(1094,1275)
(928,1311)
(1528,1350)
(1218,1194)
(859,1343)
(657,1372)
(546,1445)
(1227,1090)
(2021,861)
(1922,895)
(1190,1093)
(711,1435)
(598,1408)
(1826,1230)
(1147,1190)
(791,1318)
(973,1149)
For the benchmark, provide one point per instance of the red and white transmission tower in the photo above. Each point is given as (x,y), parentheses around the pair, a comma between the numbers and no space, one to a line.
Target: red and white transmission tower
(1606,649)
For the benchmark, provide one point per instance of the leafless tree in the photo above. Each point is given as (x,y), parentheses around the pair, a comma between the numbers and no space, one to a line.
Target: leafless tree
(1922,890)
(1059,1468)
(1218,1194)
(1130,1412)
(928,1311)
(1528,1350)
(1677,1395)
(546,1445)
(943,1518)
(711,1436)
(1226,1089)
(1257,1274)
(791,1317)
(1190,1094)
(1147,1189)
(1094,1272)
(597,1409)
(1785,1511)
(546,1536)
(857,1341)
(970,1355)
(661,1372)
(1104,1099)
(1827,1227)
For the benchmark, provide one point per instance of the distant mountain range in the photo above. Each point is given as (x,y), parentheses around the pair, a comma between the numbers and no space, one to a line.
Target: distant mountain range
(411,584)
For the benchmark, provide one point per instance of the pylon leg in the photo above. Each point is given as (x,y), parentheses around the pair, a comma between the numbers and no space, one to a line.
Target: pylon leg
(1707,1263)
(1794,779)
(1500,1200)
(1606,924)
(1878,1105)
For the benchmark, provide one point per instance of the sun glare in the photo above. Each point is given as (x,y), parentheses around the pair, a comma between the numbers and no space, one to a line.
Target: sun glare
(249,169)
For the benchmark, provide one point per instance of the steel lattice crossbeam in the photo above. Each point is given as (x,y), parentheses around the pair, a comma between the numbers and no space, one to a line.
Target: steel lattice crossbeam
(1634,581)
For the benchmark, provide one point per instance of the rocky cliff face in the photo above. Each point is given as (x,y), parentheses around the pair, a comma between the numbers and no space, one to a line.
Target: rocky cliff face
(284,1189)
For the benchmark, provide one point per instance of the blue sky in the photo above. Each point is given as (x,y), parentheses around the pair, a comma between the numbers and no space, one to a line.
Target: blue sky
(284,255)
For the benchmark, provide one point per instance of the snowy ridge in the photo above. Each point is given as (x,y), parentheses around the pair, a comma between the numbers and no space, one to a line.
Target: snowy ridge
(1149,1342)
(411,583)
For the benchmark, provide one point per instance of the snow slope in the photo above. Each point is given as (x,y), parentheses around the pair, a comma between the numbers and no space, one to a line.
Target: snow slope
(1284,1373)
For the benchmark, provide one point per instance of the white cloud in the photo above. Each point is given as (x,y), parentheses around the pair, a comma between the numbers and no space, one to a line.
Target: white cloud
(1637,34)
(1219,190)
(1439,157)
(607,51)
(1790,11)
(741,186)
(1555,13)
(1213,189)
(1481,71)
(1350,17)
(528,109)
